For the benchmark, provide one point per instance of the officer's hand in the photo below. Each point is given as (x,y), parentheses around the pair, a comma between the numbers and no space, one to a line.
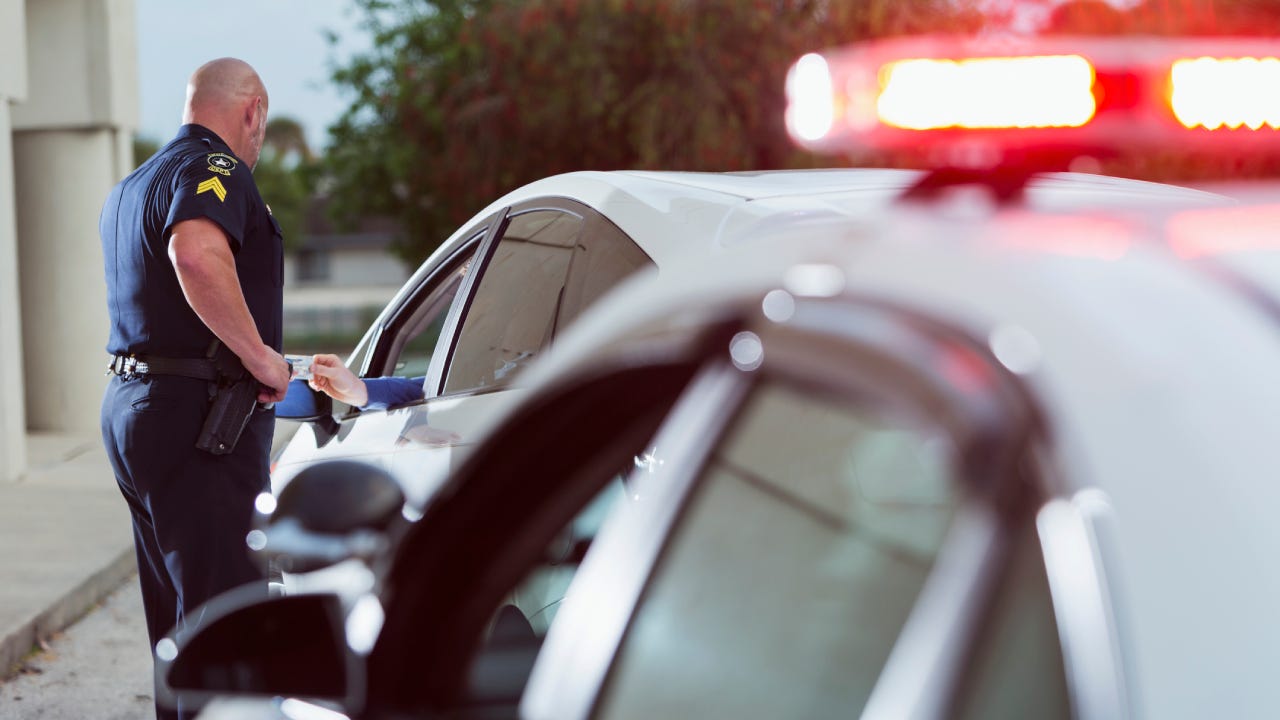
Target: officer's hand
(272,373)
(331,377)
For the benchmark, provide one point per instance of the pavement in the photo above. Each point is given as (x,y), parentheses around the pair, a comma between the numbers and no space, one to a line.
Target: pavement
(66,541)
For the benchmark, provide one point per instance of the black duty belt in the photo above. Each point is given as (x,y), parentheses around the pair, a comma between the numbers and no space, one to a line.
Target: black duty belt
(128,366)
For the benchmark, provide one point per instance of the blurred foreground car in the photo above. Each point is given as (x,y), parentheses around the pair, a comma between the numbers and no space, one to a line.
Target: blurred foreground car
(1004,448)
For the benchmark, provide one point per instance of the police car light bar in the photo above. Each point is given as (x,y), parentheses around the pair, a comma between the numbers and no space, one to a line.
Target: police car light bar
(1023,92)
(1216,92)
(1056,92)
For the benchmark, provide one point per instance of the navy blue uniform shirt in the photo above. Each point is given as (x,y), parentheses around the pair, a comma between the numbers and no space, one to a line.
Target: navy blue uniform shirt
(195,176)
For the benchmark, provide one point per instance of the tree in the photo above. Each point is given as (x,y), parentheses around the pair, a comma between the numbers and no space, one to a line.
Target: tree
(285,175)
(462,100)
(286,139)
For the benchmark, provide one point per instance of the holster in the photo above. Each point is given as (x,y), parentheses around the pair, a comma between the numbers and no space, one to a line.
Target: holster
(235,396)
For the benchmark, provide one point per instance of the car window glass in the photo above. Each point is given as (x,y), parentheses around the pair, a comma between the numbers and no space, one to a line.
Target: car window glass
(418,338)
(538,597)
(544,271)
(517,299)
(602,259)
(793,568)
(520,623)
(1017,670)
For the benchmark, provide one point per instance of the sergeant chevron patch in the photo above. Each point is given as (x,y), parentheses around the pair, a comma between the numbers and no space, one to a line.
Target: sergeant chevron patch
(215,185)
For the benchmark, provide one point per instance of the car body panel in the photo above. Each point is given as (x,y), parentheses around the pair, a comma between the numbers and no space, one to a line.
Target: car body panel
(417,444)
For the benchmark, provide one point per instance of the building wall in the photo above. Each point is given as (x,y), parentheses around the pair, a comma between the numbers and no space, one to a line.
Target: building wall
(63,177)
(13,88)
(82,61)
(368,267)
(72,142)
(350,268)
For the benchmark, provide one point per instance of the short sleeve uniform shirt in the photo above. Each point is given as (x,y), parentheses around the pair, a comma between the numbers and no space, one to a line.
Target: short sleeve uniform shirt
(194,176)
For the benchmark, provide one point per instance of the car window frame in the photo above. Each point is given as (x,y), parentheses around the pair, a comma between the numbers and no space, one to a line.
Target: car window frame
(482,240)
(391,337)
(938,633)
(382,336)
(594,224)
(894,344)
(643,370)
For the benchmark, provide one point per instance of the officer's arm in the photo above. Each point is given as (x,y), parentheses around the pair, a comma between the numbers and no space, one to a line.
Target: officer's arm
(206,271)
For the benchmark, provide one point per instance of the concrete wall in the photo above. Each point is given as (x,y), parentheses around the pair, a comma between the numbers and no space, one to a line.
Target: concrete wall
(367,267)
(13,88)
(82,57)
(13,51)
(71,144)
(63,176)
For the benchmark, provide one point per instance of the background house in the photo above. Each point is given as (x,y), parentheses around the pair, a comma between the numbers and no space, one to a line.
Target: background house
(336,281)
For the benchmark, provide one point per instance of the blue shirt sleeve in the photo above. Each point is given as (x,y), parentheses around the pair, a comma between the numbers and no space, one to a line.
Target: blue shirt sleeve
(206,189)
(385,392)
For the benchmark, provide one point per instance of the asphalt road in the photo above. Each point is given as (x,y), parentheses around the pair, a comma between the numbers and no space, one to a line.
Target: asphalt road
(99,668)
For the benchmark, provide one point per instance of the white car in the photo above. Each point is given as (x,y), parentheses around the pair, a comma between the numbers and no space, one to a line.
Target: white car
(503,287)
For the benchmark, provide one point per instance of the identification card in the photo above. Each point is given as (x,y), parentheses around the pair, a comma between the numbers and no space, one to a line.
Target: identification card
(299,366)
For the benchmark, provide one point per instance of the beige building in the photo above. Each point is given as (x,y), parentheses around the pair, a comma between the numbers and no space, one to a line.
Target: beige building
(68,107)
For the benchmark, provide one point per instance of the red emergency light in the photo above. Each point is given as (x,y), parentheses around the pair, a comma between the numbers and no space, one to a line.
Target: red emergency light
(1061,92)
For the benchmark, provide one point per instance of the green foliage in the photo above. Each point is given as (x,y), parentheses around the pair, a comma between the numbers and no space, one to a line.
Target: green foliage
(143,148)
(462,100)
(286,176)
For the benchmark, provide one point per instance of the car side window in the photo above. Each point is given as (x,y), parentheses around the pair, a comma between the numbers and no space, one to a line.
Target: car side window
(548,266)
(539,595)
(421,331)
(793,568)
(408,339)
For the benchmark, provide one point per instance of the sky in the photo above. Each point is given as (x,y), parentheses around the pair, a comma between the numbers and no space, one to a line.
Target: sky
(283,39)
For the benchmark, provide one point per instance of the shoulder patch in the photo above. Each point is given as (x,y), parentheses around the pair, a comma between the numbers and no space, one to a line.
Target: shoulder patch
(221,163)
(215,186)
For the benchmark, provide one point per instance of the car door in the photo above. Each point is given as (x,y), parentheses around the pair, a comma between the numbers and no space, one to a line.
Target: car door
(489,306)
(850,526)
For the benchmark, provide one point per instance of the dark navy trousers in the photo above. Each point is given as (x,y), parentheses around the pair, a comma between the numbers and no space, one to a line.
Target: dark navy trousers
(191,510)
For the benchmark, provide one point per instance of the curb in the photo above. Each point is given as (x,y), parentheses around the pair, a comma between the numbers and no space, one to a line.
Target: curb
(64,611)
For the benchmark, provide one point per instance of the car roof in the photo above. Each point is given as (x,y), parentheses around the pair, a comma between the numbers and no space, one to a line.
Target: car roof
(1154,368)
(674,214)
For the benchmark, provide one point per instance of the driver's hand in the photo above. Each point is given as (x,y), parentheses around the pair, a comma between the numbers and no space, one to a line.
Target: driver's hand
(331,377)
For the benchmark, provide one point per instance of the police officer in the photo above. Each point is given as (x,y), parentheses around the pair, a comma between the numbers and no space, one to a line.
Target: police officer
(192,255)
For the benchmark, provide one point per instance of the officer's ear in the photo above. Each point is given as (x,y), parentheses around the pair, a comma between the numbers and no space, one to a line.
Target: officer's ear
(251,118)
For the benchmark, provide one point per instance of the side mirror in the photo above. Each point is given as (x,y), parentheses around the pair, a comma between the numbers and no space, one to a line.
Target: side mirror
(330,512)
(304,404)
(290,646)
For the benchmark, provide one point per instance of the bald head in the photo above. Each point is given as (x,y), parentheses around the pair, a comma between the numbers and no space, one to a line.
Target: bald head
(227,96)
